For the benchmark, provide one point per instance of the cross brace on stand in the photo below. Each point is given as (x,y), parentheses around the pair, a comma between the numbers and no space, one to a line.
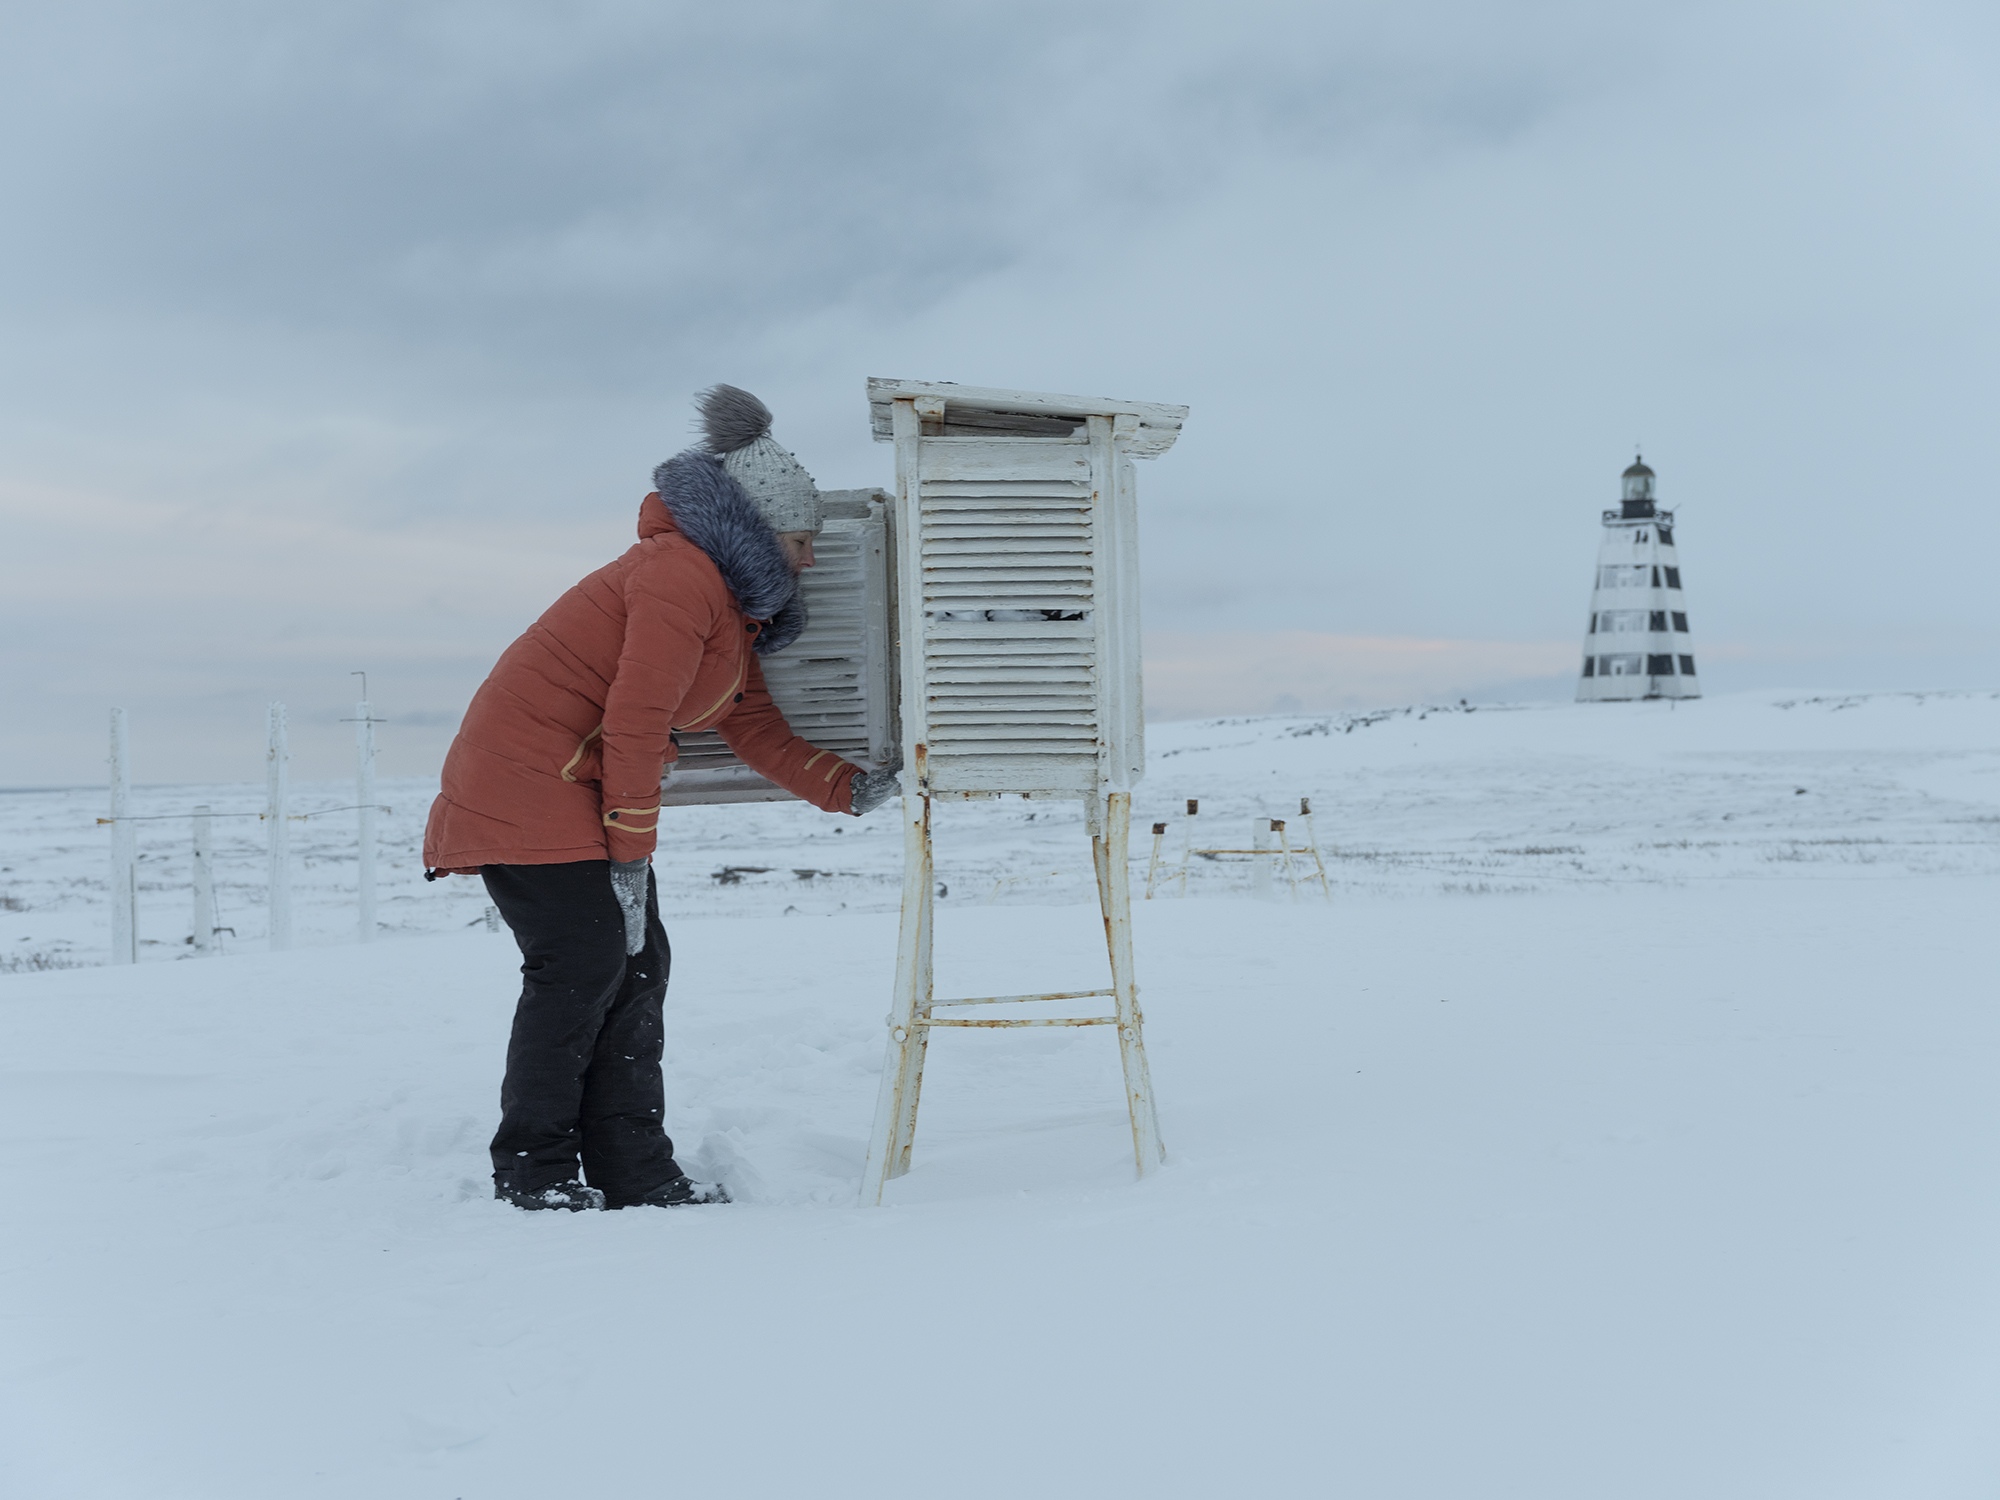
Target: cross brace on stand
(913,1017)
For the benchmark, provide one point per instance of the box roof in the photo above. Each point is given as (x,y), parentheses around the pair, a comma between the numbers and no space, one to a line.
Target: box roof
(979,411)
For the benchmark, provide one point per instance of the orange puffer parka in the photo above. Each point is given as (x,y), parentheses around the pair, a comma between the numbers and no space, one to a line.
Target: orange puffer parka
(560,754)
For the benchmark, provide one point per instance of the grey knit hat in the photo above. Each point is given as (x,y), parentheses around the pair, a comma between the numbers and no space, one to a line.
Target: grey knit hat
(738,430)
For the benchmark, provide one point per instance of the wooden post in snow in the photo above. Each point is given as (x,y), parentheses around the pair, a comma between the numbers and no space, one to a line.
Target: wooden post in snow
(1187,843)
(1285,853)
(124,850)
(277,783)
(204,884)
(1312,845)
(364,815)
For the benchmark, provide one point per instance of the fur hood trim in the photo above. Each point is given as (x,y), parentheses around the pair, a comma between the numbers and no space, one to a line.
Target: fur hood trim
(711,510)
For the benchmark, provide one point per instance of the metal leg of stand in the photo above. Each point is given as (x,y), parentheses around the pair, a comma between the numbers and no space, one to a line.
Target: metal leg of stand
(911,1014)
(1109,841)
(903,1067)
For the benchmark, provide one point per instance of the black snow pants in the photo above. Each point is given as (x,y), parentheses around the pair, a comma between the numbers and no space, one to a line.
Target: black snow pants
(583,1065)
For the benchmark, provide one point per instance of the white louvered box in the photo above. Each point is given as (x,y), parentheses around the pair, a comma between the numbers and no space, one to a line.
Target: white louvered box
(836,684)
(1017,597)
(1017,585)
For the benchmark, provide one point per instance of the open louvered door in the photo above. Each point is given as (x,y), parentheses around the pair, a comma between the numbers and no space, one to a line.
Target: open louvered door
(836,684)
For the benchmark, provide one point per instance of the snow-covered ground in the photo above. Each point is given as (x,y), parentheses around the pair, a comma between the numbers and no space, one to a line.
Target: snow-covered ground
(1623,1126)
(1535,798)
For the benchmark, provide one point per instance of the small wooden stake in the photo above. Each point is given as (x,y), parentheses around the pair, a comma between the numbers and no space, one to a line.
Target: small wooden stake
(204,884)
(124,850)
(277,782)
(364,817)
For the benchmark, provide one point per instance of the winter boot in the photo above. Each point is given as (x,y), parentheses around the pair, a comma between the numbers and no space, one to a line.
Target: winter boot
(679,1192)
(571,1195)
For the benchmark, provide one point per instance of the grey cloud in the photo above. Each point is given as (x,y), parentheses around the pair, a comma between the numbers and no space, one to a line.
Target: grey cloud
(445,275)
(551,183)
(372,255)
(578,188)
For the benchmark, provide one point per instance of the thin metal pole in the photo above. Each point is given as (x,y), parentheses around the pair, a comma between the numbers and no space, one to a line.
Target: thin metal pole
(204,884)
(124,849)
(277,780)
(364,817)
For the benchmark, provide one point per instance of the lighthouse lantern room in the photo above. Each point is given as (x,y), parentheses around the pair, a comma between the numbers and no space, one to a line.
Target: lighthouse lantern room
(1637,645)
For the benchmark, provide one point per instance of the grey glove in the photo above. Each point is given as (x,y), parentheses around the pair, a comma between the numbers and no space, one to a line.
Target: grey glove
(628,884)
(870,789)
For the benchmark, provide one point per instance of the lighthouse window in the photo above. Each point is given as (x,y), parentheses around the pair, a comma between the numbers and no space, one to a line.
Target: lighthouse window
(1657,620)
(1681,621)
(1659,666)
(1589,662)
(1620,576)
(1613,620)
(1656,578)
(1687,666)
(1666,536)
(1620,666)
(1673,578)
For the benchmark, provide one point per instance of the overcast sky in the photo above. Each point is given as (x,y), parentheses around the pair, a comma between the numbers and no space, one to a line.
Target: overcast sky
(345,336)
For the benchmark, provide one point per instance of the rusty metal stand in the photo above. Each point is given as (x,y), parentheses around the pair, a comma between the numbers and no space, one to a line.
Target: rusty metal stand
(1263,855)
(912,1017)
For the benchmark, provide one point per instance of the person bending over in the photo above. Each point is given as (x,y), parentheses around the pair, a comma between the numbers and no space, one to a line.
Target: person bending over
(551,795)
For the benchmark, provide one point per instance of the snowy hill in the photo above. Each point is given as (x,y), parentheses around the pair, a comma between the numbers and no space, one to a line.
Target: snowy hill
(1624,1125)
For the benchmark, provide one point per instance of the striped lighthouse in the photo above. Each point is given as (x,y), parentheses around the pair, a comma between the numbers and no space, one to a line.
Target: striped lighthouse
(1638,644)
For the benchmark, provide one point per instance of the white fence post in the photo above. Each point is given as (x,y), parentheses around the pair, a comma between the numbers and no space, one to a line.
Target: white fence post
(204,884)
(278,789)
(364,817)
(124,850)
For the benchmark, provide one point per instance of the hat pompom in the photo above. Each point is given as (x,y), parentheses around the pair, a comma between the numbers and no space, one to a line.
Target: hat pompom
(732,418)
